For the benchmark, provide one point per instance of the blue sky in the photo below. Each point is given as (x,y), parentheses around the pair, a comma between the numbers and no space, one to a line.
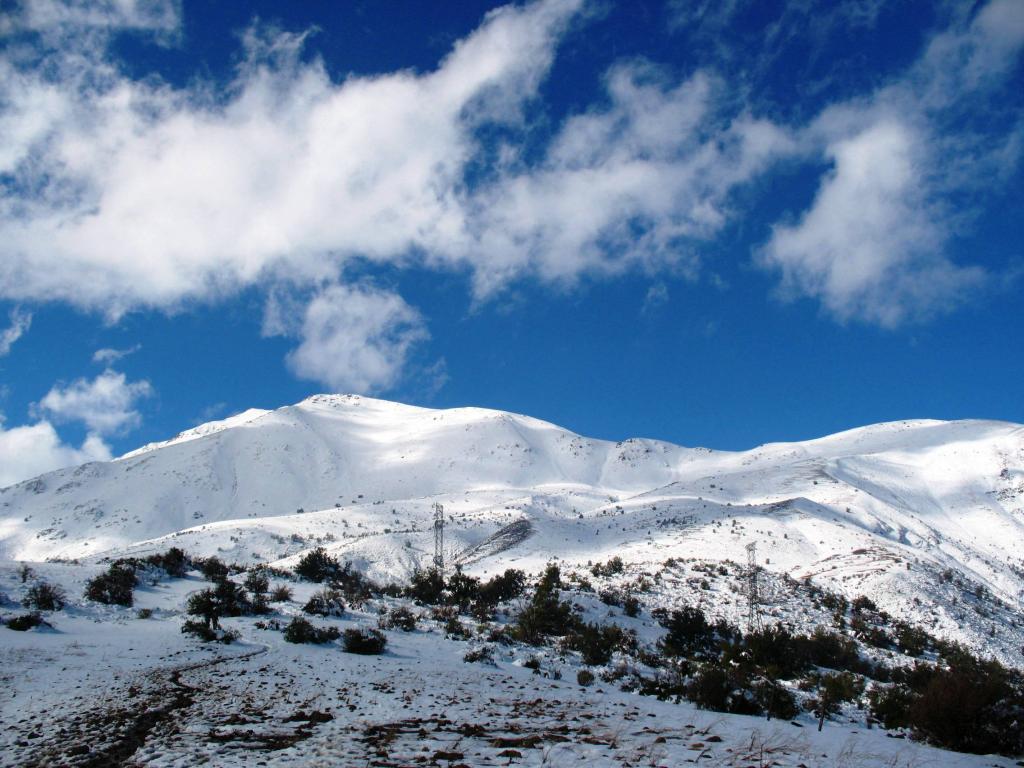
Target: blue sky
(714,223)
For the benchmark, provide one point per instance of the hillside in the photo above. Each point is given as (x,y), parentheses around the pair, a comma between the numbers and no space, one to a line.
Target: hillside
(924,517)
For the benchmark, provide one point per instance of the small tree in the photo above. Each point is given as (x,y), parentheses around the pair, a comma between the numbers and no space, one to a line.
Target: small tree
(426,586)
(205,605)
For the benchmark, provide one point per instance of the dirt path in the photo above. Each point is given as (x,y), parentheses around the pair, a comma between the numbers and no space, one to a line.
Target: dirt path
(108,736)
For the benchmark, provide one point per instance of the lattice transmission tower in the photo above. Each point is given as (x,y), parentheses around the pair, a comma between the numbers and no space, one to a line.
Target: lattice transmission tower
(753,590)
(439,538)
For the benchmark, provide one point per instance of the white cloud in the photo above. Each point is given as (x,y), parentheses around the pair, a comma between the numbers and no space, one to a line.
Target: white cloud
(356,338)
(870,246)
(106,405)
(20,323)
(873,244)
(74,15)
(633,184)
(289,175)
(31,450)
(108,355)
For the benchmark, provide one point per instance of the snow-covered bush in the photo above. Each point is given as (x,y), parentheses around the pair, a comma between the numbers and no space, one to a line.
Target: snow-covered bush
(326,602)
(400,618)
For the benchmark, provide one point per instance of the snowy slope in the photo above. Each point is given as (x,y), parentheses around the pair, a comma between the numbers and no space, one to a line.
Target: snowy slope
(926,517)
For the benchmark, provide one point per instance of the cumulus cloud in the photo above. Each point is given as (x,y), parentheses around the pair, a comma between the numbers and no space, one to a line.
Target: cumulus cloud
(20,323)
(870,246)
(873,244)
(288,173)
(106,405)
(31,450)
(356,338)
(125,194)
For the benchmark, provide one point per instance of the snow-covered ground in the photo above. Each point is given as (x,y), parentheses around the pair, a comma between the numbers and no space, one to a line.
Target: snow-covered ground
(924,517)
(103,687)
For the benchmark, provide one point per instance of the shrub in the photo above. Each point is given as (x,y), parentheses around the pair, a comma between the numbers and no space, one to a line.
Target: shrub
(213,569)
(543,617)
(776,651)
(326,602)
(302,631)
(144,613)
(911,640)
(174,562)
(44,597)
(257,582)
(484,654)
(25,622)
(281,594)
(231,599)
(367,642)
(973,705)
(318,566)
(775,700)
(863,603)
(462,590)
(611,568)
(689,633)
(596,643)
(400,618)
(713,687)
(115,587)
(426,586)
(208,634)
(585,678)
(631,606)
(833,690)
(206,605)
(504,587)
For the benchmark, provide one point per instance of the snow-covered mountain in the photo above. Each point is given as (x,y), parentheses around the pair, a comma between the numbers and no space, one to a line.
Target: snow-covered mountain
(925,517)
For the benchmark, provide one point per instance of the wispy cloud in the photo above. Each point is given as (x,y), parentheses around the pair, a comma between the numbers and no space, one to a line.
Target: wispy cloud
(108,355)
(20,321)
